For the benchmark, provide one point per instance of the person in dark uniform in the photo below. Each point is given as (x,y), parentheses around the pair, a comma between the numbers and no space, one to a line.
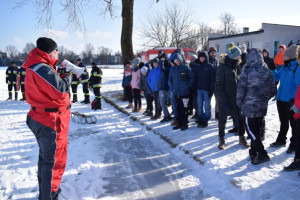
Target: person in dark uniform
(22,73)
(95,83)
(84,79)
(11,80)
(74,86)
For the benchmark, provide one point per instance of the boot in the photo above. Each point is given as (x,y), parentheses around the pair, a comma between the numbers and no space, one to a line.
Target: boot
(86,99)
(242,141)
(216,115)
(16,96)
(252,155)
(260,158)
(129,106)
(74,98)
(9,96)
(221,145)
(295,165)
(174,123)
(134,109)
(23,99)
(139,109)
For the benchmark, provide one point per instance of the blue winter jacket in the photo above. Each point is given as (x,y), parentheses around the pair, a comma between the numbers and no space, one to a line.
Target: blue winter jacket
(153,78)
(164,76)
(289,79)
(181,79)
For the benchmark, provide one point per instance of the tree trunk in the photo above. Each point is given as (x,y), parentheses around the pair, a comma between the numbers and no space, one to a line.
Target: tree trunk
(127,27)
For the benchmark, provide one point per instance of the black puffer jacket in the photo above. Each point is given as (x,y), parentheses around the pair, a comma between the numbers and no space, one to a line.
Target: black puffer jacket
(227,77)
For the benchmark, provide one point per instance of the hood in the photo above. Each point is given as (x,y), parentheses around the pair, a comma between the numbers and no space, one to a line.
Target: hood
(266,50)
(203,54)
(254,57)
(175,56)
(38,56)
(283,46)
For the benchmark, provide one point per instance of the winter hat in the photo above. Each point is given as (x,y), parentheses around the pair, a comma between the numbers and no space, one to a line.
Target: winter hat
(193,57)
(202,54)
(233,51)
(78,59)
(212,49)
(46,44)
(292,52)
(144,70)
(136,61)
(93,63)
(155,60)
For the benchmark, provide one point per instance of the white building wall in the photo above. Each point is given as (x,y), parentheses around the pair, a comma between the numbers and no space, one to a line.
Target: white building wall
(264,40)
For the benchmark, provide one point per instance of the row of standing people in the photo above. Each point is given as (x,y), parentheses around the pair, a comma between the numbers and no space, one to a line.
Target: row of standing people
(242,88)
(15,77)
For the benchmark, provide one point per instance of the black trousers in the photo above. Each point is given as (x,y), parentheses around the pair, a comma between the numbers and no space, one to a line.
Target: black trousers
(11,87)
(239,120)
(286,117)
(253,128)
(137,98)
(157,103)
(149,101)
(182,109)
(128,92)
(85,89)
(97,92)
(74,88)
(22,88)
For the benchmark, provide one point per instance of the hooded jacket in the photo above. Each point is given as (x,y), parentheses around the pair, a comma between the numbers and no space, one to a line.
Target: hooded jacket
(289,79)
(269,61)
(255,87)
(228,74)
(204,74)
(278,60)
(44,87)
(153,78)
(181,78)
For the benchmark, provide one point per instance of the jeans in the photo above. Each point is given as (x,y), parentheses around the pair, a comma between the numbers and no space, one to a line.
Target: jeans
(163,98)
(203,102)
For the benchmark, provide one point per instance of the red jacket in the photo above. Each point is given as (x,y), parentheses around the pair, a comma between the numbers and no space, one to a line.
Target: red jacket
(44,87)
(279,58)
(297,103)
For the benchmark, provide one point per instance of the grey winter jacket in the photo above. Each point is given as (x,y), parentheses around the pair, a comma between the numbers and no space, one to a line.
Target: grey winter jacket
(256,86)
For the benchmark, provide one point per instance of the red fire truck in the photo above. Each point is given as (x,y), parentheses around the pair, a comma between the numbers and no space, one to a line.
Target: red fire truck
(152,53)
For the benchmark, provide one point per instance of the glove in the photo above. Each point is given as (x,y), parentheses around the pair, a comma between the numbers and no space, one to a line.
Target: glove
(210,94)
(227,106)
(295,109)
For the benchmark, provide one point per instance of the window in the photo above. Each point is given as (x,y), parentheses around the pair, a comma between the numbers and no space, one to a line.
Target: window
(218,47)
(276,45)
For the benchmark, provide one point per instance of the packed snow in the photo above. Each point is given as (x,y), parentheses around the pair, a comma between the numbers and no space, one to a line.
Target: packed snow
(130,157)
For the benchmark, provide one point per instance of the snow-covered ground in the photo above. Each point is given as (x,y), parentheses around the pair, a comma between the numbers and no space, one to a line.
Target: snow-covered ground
(118,158)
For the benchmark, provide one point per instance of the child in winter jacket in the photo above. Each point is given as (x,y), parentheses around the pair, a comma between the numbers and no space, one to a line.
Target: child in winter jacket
(135,82)
(289,79)
(126,84)
(144,86)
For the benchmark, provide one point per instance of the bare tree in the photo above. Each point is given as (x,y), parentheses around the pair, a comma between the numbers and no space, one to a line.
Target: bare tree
(11,51)
(173,27)
(73,10)
(28,48)
(229,26)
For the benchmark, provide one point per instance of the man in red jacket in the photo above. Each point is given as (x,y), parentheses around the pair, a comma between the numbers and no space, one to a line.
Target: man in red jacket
(49,116)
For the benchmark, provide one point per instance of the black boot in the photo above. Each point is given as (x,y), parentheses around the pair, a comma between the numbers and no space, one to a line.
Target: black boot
(234,130)
(295,165)
(16,96)
(23,99)
(260,158)
(9,96)
(74,98)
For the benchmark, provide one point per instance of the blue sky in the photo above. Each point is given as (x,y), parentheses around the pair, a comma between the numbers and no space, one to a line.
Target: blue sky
(19,25)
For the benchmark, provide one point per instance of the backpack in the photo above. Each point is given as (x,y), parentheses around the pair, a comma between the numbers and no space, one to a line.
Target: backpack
(96,104)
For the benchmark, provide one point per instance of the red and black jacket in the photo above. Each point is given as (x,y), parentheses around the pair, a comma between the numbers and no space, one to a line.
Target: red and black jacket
(44,87)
